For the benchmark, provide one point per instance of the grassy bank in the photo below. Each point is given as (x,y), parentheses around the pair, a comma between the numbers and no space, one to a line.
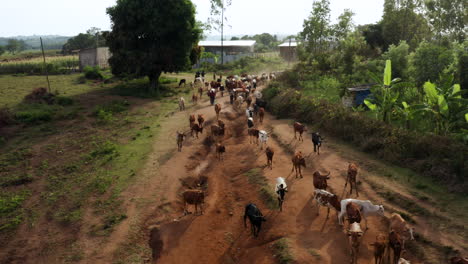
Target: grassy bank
(61,170)
(440,158)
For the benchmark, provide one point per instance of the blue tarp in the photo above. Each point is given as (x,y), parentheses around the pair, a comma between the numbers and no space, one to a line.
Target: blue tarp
(360,96)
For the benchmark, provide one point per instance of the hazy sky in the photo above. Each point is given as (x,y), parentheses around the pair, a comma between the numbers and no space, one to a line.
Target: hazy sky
(65,17)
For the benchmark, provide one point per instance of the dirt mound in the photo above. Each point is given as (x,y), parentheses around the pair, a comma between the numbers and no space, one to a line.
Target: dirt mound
(40,95)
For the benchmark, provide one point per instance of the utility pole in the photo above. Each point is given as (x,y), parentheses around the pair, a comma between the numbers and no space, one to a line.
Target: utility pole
(222,31)
(45,66)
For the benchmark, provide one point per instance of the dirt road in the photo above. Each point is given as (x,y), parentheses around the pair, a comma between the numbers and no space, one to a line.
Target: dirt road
(155,208)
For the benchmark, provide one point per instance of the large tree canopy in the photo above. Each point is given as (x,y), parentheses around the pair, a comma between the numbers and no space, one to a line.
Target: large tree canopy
(149,37)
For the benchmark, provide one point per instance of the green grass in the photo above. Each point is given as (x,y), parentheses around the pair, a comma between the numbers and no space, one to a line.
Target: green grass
(266,192)
(314,253)
(282,251)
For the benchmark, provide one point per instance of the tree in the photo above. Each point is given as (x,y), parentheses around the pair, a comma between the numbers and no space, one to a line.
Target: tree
(428,61)
(399,57)
(14,45)
(373,34)
(234,38)
(447,18)
(400,21)
(149,37)
(2,50)
(345,24)
(317,32)
(93,38)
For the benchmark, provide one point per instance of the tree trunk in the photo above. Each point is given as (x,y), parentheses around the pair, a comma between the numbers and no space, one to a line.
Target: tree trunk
(154,83)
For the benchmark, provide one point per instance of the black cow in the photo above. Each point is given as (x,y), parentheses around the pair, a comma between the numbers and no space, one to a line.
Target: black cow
(182,81)
(317,140)
(256,218)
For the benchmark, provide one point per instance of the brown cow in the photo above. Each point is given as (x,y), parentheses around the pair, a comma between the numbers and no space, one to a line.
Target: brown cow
(458,260)
(253,133)
(320,181)
(379,248)
(192,120)
(201,120)
(180,140)
(351,178)
(298,161)
(300,128)
(401,227)
(248,101)
(197,129)
(221,123)
(217,130)
(195,197)
(327,199)
(395,243)
(217,110)
(269,151)
(261,114)
(220,150)
(354,238)
(194,98)
(353,212)
(200,92)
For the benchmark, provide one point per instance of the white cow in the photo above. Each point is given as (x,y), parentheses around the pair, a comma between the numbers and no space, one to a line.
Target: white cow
(181,104)
(367,208)
(263,137)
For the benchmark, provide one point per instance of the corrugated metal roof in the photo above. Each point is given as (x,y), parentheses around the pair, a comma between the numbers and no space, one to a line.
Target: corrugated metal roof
(227,43)
(286,44)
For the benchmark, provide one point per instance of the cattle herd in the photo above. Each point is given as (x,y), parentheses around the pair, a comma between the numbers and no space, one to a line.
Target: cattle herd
(242,89)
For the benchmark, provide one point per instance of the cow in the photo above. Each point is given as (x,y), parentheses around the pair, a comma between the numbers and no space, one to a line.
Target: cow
(217,110)
(261,114)
(248,100)
(353,212)
(195,197)
(320,181)
(354,238)
(182,81)
(181,104)
(379,248)
(201,120)
(253,133)
(200,92)
(255,217)
(400,226)
(298,161)
(221,123)
(367,208)
(317,141)
(394,243)
(194,99)
(281,189)
(197,128)
(220,150)
(263,138)
(217,130)
(327,199)
(180,140)
(351,178)
(192,120)
(458,260)
(250,122)
(299,128)
(269,153)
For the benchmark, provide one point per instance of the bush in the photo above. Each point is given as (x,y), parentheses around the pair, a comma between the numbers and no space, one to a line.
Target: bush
(34,113)
(92,73)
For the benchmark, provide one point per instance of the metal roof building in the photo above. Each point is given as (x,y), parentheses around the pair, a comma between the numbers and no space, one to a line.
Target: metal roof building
(229,46)
(288,51)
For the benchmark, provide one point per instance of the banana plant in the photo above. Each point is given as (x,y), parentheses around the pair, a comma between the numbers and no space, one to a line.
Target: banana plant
(384,97)
(446,107)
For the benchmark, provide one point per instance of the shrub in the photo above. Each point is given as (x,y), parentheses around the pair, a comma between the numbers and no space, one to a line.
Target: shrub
(92,73)
(34,113)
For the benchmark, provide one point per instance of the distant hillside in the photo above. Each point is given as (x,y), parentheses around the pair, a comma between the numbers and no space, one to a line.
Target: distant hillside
(33,42)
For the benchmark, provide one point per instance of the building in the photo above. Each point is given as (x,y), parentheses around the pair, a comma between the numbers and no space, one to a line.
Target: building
(232,50)
(288,50)
(95,57)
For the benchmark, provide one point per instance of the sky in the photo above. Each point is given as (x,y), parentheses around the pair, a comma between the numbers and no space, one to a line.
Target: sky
(245,17)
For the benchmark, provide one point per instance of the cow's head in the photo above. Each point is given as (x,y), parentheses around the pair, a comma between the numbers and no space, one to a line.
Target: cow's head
(380,210)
